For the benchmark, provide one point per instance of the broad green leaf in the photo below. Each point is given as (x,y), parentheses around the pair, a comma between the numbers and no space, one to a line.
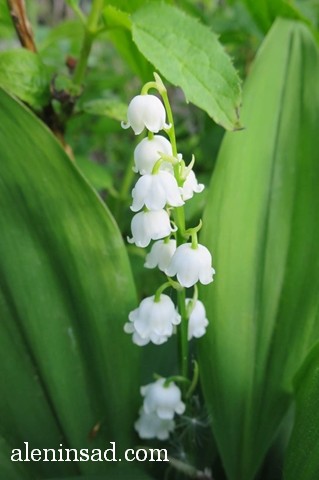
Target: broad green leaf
(22,414)
(189,55)
(109,107)
(261,226)
(118,472)
(10,470)
(265,12)
(66,290)
(302,457)
(24,75)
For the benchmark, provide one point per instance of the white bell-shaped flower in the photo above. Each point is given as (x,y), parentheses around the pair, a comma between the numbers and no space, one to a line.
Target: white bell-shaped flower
(147,226)
(145,111)
(162,400)
(197,322)
(191,265)
(153,321)
(160,254)
(148,152)
(191,186)
(155,191)
(149,425)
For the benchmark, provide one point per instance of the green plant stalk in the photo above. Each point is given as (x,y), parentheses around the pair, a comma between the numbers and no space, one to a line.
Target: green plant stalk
(89,35)
(179,215)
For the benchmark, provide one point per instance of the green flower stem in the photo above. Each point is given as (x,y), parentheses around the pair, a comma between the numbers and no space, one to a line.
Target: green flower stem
(183,332)
(194,241)
(179,215)
(194,382)
(160,290)
(171,130)
(89,35)
(148,86)
(177,379)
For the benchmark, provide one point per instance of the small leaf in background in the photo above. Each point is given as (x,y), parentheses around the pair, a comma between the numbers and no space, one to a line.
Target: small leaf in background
(265,12)
(118,29)
(56,44)
(97,175)
(189,55)
(23,74)
(109,107)
(302,456)
(261,226)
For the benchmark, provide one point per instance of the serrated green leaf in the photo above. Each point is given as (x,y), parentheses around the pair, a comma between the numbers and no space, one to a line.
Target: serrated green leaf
(24,75)
(261,225)
(302,457)
(189,55)
(114,17)
(66,288)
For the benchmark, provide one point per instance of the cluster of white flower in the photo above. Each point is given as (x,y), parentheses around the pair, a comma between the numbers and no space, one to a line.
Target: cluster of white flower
(161,403)
(154,195)
(165,184)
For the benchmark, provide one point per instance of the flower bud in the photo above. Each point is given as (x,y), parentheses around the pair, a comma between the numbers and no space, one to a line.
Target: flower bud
(153,321)
(147,226)
(148,152)
(197,322)
(162,400)
(160,254)
(145,111)
(156,191)
(149,425)
(191,265)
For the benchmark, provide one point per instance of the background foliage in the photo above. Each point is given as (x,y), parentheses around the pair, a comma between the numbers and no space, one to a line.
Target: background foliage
(68,373)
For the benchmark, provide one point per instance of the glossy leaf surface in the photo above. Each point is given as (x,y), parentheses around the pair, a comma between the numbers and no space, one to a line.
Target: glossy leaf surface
(261,226)
(68,372)
(190,56)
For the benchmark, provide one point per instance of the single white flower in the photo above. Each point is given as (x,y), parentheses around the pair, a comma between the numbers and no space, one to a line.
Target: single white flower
(197,322)
(155,191)
(191,186)
(149,425)
(160,254)
(191,265)
(164,401)
(153,321)
(145,111)
(147,226)
(148,152)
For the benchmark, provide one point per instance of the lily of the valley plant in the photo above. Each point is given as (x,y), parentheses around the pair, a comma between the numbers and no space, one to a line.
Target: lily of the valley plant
(164,185)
